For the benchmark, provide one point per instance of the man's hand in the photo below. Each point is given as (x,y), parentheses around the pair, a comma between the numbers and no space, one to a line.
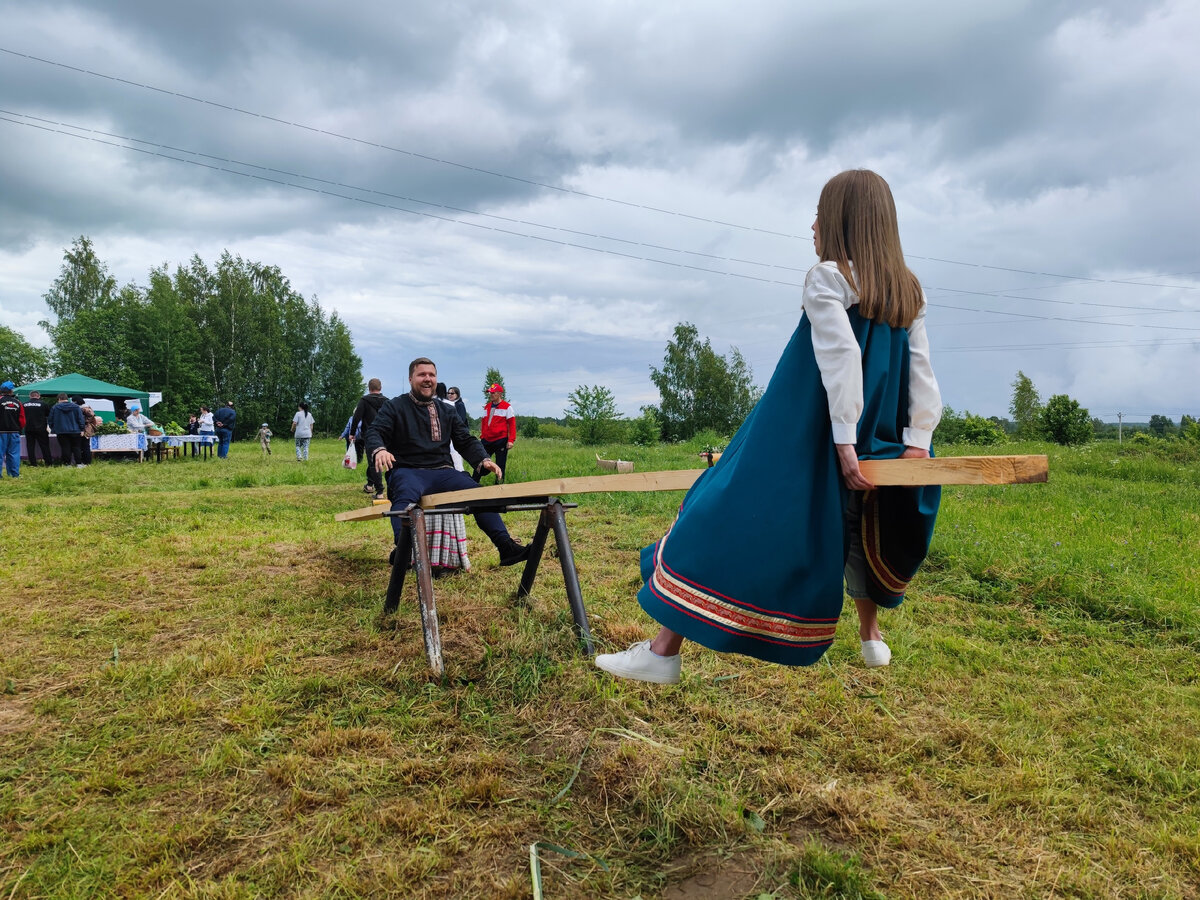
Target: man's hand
(489,465)
(914,453)
(508,446)
(384,460)
(851,473)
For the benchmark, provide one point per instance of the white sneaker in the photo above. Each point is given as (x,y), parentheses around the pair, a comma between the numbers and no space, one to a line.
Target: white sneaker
(640,663)
(876,654)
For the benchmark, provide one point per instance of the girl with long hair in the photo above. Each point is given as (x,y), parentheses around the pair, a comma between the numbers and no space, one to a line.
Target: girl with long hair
(757,566)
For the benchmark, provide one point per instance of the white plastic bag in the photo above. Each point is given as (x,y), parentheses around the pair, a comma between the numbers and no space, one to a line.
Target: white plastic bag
(350,460)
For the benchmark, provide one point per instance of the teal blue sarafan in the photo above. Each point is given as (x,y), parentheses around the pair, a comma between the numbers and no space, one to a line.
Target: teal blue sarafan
(753,562)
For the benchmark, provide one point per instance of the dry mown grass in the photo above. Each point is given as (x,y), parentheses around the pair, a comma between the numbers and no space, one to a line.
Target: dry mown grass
(199,698)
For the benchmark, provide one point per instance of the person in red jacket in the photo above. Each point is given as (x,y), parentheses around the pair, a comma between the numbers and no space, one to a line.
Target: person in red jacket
(497,430)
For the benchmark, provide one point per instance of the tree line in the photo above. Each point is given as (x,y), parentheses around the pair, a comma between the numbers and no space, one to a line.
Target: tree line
(700,391)
(202,334)
(703,392)
(1059,419)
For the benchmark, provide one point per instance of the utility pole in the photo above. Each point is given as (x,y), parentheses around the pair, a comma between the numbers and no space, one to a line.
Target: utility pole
(1120,416)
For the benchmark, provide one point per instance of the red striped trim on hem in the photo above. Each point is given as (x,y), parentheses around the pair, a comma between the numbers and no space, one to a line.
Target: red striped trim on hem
(736,619)
(733,631)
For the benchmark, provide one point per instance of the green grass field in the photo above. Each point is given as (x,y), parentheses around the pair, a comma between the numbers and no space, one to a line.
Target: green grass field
(199,697)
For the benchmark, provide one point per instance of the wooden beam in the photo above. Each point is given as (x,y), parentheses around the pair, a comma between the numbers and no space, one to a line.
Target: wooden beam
(374,511)
(671,480)
(882,472)
(957,470)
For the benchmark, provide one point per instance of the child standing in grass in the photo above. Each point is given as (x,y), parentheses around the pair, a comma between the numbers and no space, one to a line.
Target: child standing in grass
(264,438)
(756,566)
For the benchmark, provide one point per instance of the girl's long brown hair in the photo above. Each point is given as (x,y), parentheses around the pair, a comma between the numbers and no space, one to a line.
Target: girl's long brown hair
(856,222)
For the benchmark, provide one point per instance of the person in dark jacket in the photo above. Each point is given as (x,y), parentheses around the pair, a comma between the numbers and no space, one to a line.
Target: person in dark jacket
(66,422)
(12,421)
(224,418)
(454,395)
(364,414)
(410,441)
(37,431)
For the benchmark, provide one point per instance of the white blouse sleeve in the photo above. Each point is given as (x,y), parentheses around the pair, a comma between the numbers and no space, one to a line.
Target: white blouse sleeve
(924,396)
(827,295)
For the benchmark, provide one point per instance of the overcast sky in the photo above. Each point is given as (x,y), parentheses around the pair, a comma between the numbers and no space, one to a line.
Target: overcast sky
(551,188)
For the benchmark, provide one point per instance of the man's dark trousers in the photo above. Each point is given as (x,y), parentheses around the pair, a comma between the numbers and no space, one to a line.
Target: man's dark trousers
(70,449)
(500,450)
(407,486)
(39,440)
(374,479)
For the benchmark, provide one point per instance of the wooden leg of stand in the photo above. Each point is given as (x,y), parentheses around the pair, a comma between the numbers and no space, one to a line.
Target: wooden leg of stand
(429,620)
(536,547)
(558,522)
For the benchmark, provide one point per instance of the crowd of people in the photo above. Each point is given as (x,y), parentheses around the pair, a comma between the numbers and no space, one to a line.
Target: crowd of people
(70,420)
(73,424)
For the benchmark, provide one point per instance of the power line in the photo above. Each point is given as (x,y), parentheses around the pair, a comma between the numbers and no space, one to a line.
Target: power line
(414,212)
(152,152)
(1009,296)
(90,136)
(1072,345)
(435,159)
(107,134)
(547,186)
(90,132)
(379,193)
(1005,312)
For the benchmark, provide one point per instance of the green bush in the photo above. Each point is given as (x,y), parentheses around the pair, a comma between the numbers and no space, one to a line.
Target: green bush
(706,440)
(967,428)
(1064,421)
(530,427)
(981,431)
(646,429)
(1171,449)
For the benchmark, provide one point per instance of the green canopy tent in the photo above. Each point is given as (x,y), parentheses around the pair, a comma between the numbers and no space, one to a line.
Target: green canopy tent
(76,385)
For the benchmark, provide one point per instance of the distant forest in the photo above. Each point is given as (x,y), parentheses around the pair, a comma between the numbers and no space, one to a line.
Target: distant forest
(201,335)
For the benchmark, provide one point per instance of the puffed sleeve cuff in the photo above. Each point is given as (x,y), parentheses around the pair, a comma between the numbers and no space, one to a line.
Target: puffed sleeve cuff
(918,437)
(845,432)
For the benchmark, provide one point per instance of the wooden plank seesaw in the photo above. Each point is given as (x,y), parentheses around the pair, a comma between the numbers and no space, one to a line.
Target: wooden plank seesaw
(544,496)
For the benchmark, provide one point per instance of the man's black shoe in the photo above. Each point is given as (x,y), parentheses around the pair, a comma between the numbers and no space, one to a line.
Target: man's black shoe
(513,554)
